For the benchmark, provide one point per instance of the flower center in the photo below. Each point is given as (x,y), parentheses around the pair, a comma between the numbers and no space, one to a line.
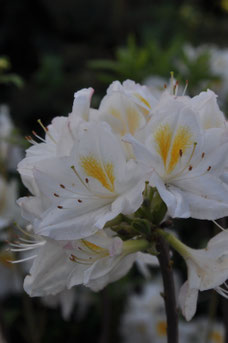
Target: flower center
(88,252)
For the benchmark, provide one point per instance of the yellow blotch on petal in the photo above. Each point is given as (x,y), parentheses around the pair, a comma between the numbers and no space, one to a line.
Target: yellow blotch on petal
(145,102)
(181,142)
(216,337)
(163,137)
(161,328)
(118,115)
(129,118)
(133,119)
(102,172)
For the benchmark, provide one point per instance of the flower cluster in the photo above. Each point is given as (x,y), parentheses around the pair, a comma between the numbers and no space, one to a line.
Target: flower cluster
(102,180)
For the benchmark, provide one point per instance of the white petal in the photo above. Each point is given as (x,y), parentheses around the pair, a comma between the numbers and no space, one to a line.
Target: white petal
(188,300)
(118,271)
(49,272)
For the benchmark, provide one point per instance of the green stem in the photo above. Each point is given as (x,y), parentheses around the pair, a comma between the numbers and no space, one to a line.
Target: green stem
(134,245)
(180,247)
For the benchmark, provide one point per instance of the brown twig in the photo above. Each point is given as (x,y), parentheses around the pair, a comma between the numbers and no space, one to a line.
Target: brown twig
(169,290)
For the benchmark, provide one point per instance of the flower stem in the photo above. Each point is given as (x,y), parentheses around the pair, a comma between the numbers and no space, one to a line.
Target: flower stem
(180,247)
(169,290)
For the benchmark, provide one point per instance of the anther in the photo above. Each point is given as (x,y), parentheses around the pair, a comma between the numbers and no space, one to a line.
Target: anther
(180,152)
(42,125)
(72,258)
(79,200)
(203,154)
(165,85)
(56,195)
(62,186)
(86,180)
(190,168)
(209,168)
(60,207)
(185,88)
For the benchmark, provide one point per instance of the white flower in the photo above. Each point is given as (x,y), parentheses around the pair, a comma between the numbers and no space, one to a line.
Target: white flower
(207,110)
(126,108)
(59,138)
(186,162)
(93,262)
(79,193)
(138,94)
(207,269)
(8,196)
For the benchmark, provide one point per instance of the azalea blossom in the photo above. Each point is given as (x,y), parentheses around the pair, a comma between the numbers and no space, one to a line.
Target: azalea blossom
(79,193)
(186,162)
(59,138)
(126,107)
(93,262)
(207,269)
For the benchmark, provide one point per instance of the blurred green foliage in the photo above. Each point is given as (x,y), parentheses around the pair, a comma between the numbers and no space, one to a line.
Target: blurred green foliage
(5,77)
(139,62)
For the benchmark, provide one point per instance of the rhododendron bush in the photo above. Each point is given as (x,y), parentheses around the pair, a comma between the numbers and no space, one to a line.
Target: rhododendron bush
(105,185)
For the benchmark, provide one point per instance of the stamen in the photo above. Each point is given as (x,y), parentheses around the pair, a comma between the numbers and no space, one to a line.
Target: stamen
(190,168)
(37,136)
(23,259)
(46,130)
(203,154)
(218,225)
(176,88)
(209,168)
(188,162)
(60,207)
(76,173)
(30,140)
(185,88)
(171,82)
